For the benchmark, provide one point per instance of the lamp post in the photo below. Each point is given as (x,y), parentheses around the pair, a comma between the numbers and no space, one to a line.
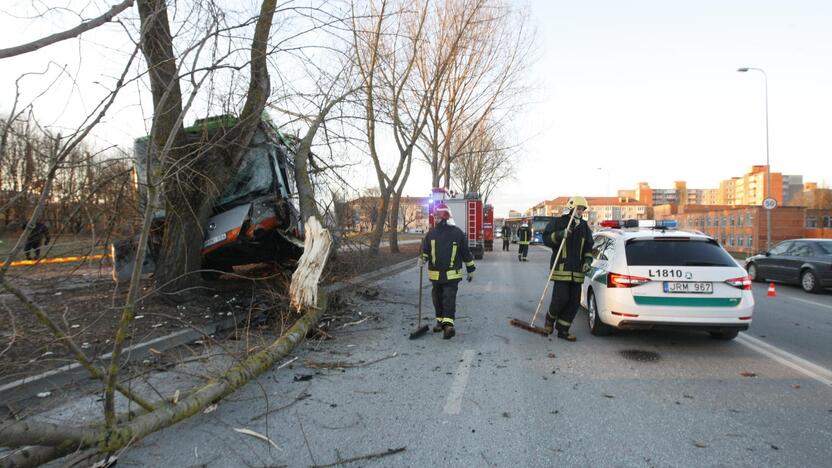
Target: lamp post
(768,167)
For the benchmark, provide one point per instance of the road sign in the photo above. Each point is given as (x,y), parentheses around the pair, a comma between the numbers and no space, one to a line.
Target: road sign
(769,203)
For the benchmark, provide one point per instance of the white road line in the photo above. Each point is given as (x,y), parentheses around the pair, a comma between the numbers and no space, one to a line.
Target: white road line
(453,405)
(811,370)
(825,306)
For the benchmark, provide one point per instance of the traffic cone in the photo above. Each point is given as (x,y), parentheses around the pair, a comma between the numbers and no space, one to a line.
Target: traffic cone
(771,291)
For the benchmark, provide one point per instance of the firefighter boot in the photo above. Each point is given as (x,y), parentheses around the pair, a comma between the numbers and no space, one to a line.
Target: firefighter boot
(564,335)
(549,327)
(438,327)
(449,332)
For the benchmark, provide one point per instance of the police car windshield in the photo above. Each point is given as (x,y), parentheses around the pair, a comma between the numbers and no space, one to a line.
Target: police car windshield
(676,252)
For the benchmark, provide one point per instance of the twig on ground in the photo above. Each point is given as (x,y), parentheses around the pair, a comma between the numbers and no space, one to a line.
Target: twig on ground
(356,322)
(371,456)
(249,432)
(344,364)
(309,449)
(301,396)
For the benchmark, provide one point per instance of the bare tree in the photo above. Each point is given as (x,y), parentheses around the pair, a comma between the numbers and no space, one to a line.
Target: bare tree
(400,84)
(481,163)
(483,84)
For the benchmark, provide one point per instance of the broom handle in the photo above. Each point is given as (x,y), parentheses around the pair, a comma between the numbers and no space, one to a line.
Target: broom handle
(419,314)
(554,265)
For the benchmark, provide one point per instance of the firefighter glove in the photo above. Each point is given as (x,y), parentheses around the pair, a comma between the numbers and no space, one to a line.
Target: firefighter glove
(587,265)
(421,261)
(470,276)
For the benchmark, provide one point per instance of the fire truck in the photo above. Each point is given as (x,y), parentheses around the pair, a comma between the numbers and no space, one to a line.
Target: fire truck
(467,213)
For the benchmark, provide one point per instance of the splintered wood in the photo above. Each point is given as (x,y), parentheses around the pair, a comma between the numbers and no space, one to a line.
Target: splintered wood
(304,288)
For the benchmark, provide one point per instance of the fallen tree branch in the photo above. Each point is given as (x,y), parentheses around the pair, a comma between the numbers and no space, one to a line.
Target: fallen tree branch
(371,456)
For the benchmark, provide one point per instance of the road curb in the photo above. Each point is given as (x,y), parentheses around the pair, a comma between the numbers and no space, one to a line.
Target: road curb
(54,379)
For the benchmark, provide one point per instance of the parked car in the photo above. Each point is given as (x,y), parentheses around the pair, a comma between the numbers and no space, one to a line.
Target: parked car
(806,262)
(660,277)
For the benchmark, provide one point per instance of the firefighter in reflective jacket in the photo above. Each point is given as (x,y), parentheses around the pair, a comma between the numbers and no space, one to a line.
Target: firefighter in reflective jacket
(444,249)
(524,237)
(574,262)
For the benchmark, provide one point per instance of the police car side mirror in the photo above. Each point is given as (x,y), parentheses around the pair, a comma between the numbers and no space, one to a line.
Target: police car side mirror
(767,253)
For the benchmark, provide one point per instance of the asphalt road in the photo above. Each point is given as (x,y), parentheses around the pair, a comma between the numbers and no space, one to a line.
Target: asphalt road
(496,395)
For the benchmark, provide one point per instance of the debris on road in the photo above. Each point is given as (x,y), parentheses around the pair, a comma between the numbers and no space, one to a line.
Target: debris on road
(249,432)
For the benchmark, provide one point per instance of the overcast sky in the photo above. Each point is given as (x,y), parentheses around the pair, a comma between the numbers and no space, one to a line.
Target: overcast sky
(625,91)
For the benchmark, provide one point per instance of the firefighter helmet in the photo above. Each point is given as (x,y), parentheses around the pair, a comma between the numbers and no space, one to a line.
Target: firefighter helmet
(577,201)
(442,211)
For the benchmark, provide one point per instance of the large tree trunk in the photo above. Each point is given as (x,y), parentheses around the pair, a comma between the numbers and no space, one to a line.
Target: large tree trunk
(190,196)
(395,205)
(378,229)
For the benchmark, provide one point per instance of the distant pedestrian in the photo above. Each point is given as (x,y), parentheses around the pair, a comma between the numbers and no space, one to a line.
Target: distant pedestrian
(38,235)
(445,249)
(506,233)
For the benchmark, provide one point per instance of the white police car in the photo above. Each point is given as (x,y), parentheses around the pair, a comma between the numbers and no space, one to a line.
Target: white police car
(653,276)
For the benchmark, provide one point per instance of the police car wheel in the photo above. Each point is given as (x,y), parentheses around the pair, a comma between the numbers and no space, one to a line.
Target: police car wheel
(596,326)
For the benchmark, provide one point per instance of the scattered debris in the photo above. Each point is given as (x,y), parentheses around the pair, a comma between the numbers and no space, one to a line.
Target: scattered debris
(506,414)
(303,377)
(552,355)
(44,394)
(210,409)
(607,395)
(371,456)
(774,446)
(698,444)
(249,432)
(795,385)
(748,374)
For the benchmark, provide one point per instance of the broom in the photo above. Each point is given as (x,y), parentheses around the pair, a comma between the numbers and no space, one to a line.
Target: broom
(530,326)
(422,329)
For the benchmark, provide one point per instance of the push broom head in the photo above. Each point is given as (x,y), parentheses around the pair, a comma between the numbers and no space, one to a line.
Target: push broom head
(528,327)
(419,332)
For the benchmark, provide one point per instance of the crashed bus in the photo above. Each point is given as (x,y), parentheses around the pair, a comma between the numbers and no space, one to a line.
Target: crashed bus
(256,217)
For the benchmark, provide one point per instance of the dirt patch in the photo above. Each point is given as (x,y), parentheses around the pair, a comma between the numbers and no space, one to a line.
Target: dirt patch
(82,298)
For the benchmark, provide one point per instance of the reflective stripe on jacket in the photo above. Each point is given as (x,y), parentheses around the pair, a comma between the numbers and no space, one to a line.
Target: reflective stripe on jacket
(446,248)
(524,235)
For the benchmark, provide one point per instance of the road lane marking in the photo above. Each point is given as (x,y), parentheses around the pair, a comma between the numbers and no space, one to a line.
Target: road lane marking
(825,306)
(453,405)
(810,369)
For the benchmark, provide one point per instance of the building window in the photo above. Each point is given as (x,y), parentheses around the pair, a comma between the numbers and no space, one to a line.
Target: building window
(811,221)
(731,240)
(750,241)
(740,241)
(749,218)
(731,220)
(827,221)
(724,220)
(739,219)
(708,221)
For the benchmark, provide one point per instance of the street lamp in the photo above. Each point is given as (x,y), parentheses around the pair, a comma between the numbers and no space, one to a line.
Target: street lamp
(768,167)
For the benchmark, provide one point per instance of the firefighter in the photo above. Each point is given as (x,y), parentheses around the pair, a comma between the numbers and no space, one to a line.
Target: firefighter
(574,262)
(444,249)
(524,237)
(506,233)
(38,234)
